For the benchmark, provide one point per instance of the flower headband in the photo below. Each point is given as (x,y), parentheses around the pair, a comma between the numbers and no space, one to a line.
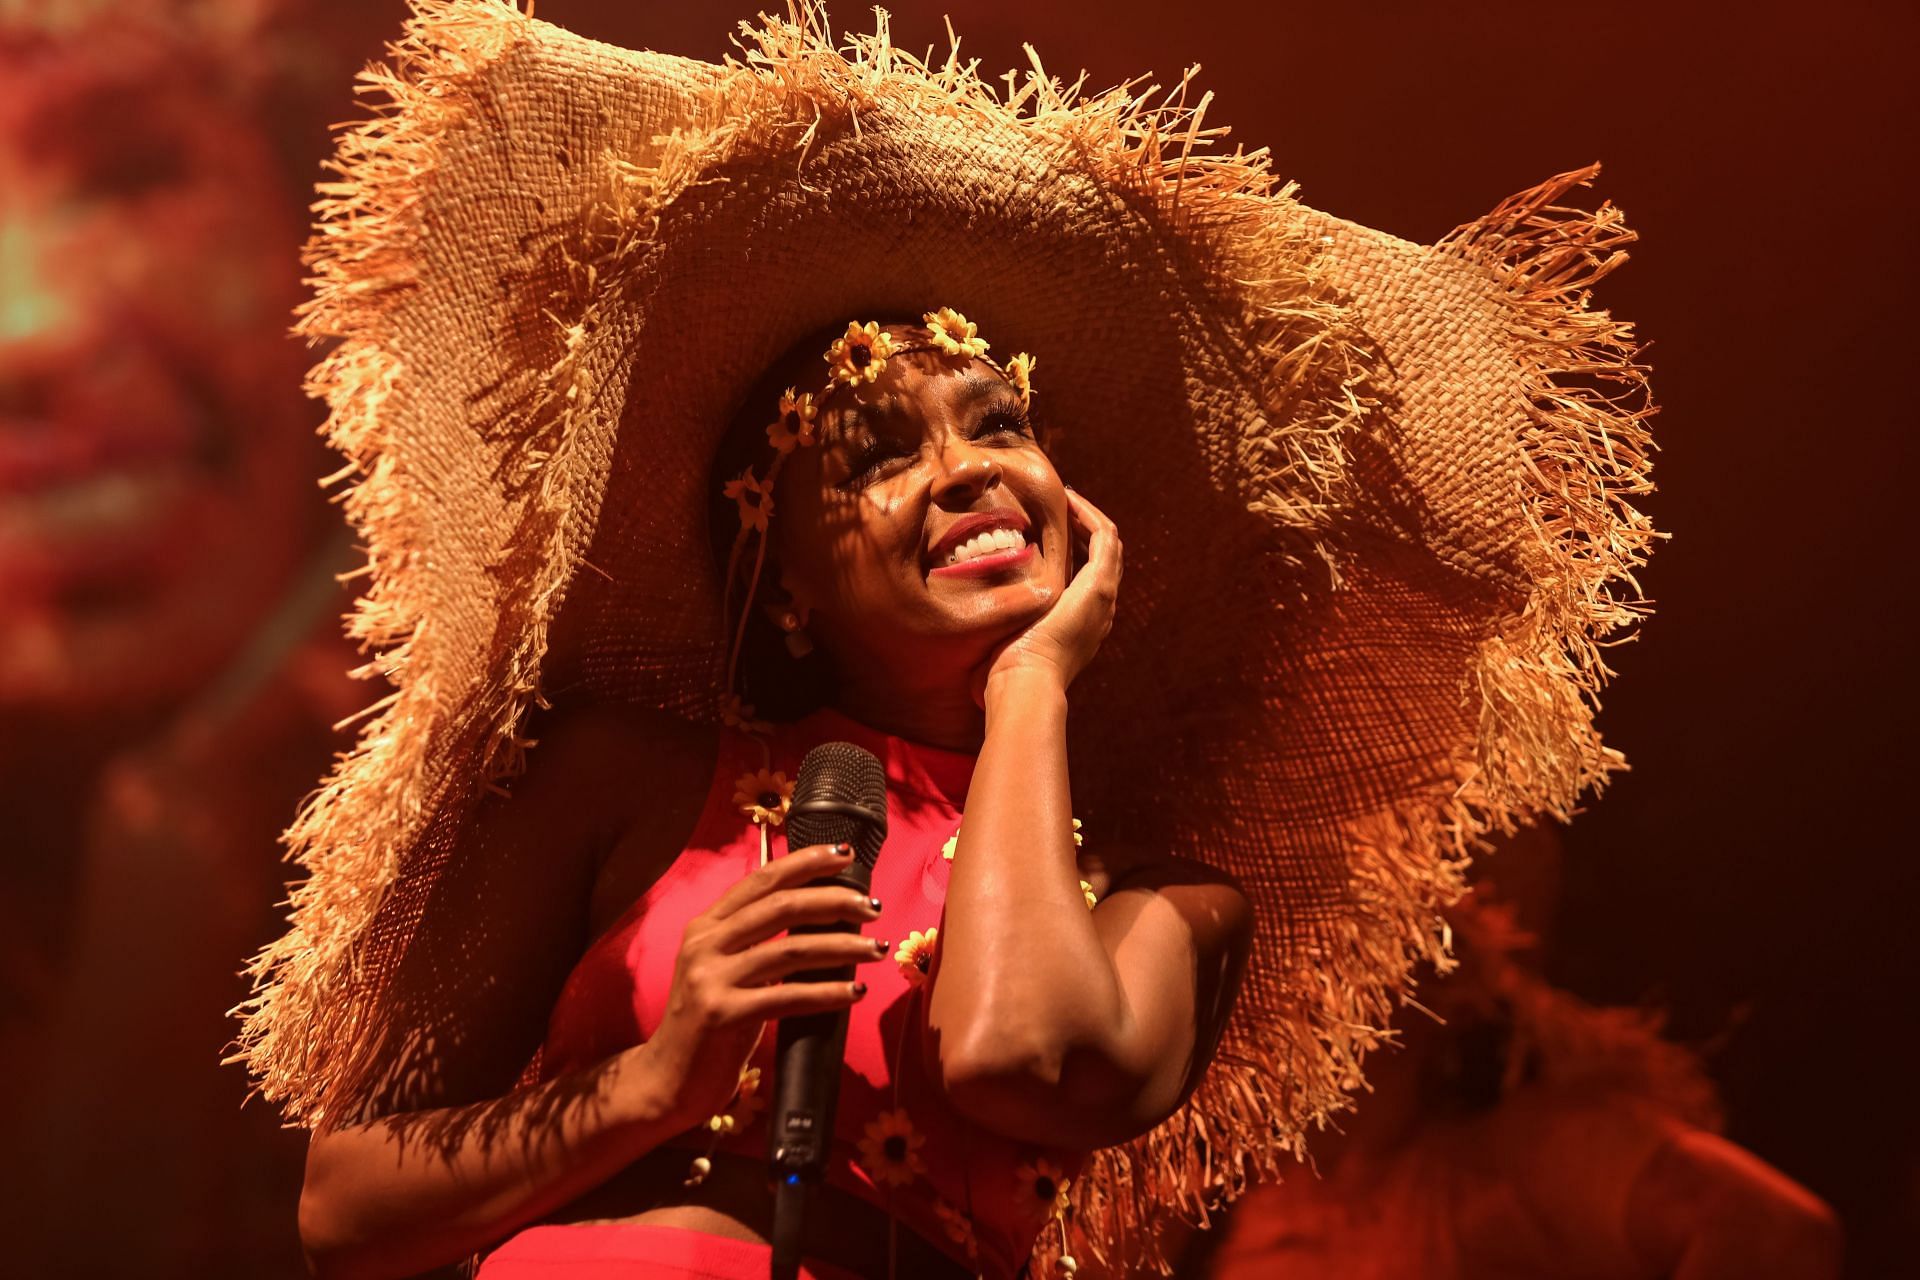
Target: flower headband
(857,358)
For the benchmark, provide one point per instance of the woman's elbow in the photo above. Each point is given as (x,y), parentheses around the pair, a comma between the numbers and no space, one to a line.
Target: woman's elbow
(317,1240)
(325,1236)
(320,1238)
(1056,1095)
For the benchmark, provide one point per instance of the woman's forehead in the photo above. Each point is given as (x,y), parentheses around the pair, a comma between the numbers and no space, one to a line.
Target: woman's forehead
(910,396)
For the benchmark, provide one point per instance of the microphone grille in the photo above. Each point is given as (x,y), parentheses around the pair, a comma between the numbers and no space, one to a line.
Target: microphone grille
(841,794)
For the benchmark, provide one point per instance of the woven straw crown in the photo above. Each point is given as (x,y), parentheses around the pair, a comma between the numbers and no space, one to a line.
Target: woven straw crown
(1376,495)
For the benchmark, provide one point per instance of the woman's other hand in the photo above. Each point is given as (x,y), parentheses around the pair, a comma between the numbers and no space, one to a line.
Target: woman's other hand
(1064,640)
(728,979)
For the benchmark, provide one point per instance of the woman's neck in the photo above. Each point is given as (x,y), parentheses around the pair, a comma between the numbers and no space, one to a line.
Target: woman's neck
(936,715)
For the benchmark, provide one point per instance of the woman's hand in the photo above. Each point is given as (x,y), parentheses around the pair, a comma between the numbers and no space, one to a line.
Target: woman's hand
(727,982)
(1063,641)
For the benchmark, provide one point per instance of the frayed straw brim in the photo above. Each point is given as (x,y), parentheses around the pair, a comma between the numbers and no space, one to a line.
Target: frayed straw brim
(1380,524)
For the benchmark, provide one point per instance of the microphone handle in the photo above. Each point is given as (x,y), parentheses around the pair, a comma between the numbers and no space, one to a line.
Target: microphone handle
(810,1050)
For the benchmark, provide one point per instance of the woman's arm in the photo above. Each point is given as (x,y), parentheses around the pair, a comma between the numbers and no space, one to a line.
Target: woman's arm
(442,1158)
(406,1193)
(1048,1021)
(448,1157)
(403,1193)
(1051,1022)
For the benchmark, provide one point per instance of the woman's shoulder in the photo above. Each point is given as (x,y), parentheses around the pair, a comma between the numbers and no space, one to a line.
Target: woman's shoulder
(1212,898)
(603,736)
(606,762)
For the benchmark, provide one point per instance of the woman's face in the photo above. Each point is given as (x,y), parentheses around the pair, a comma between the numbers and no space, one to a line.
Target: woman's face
(921,462)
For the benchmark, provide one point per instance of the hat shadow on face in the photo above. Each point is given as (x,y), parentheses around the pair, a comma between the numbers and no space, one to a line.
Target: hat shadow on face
(770,678)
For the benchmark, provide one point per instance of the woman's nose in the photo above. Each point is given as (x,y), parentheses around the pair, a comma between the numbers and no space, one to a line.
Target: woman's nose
(966,472)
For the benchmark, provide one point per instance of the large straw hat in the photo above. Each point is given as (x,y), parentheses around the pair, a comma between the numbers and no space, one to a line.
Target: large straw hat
(1375,494)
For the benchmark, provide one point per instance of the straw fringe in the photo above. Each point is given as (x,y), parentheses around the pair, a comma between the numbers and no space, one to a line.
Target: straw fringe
(1586,453)
(307,1048)
(310,1047)
(1268,1086)
(1587,456)
(790,83)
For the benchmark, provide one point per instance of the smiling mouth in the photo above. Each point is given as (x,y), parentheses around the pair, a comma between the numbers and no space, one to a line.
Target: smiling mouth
(986,554)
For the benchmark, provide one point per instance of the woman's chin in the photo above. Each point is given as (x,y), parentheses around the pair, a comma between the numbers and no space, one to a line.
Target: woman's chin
(993,609)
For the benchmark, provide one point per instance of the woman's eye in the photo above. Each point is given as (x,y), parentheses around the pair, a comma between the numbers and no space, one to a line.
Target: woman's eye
(1002,422)
(871,462)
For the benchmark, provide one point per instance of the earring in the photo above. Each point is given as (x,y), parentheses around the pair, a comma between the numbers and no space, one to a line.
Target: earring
(797,642)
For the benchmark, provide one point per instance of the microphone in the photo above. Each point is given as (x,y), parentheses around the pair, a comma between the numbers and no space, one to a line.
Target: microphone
(840,795)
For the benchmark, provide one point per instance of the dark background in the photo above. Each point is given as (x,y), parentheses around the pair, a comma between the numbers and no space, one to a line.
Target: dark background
(1752,875)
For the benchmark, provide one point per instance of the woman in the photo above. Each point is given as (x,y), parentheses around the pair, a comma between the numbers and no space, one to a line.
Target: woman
(1380,519)
(1046,1025)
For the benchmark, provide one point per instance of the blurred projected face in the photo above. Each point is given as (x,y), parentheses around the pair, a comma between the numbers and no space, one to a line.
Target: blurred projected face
(156,453)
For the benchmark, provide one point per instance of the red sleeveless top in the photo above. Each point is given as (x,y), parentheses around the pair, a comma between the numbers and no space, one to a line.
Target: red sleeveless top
(897,1143)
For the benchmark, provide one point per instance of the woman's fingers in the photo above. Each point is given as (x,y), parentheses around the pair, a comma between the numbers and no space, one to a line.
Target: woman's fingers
(813,862)
(784,908)
(1087,606)
(772,961)
(788,999)
(1103,535)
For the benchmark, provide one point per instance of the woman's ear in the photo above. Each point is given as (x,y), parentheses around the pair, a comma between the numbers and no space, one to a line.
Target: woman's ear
(782,606)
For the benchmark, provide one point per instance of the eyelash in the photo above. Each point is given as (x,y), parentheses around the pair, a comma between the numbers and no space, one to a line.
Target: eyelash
(871,458)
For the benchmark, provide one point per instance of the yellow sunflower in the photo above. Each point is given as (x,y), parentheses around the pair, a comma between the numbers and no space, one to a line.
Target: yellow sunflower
(1087,890)
(739,715)
(1076,833)
(915,956)
(861,354)
(755,499)
(959,1228)
(1020,374)
(890,1152)
(953,842)
(763,796)
(953,333)
(1043,1188)
(795,425)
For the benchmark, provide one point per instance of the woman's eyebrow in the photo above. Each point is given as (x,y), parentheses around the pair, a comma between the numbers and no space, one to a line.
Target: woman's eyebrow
(974,387)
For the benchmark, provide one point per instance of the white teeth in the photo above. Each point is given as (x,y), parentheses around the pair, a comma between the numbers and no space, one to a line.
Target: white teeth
(981,544)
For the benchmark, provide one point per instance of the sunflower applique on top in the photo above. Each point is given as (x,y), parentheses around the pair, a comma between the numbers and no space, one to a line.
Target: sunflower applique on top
(763,795)
(890,1151)
(1043,1187)
(915,955)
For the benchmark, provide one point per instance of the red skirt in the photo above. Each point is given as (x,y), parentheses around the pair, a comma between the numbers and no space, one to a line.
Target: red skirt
(597,1250)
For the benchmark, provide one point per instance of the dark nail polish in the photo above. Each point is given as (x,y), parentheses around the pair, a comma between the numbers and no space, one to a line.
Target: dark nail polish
(844,849)
(859,989)
(882,946)
(874,903)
